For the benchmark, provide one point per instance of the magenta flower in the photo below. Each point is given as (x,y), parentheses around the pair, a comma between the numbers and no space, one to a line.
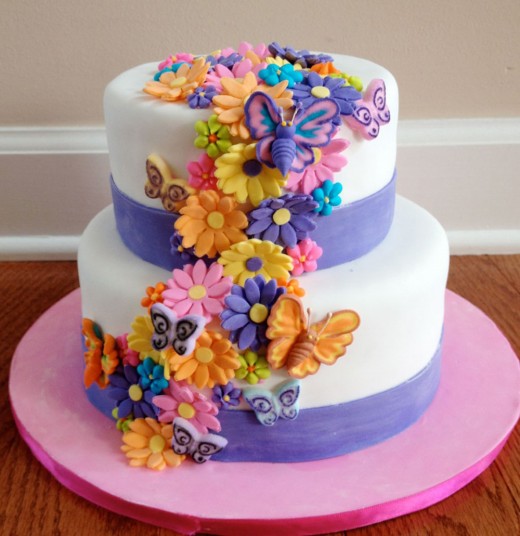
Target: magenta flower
(179,400)
(197,290)
(202,173)
(305,255)
(328,160)
(126,354)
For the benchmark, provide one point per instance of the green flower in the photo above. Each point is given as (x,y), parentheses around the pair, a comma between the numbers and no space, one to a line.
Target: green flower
(212,136)
(252,368)
(123,425)
(353,81)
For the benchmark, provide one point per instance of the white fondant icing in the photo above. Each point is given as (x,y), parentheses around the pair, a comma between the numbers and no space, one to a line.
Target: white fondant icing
(138,124)
(397,289)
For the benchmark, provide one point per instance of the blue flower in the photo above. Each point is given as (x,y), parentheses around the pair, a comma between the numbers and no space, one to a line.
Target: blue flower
(201,97)
(327,196)
(152,376)
(247,310)
(130,397)
(273,74)
(226,396)
(284,220)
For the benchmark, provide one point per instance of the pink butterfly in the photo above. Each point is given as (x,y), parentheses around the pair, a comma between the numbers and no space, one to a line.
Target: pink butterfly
(371,111)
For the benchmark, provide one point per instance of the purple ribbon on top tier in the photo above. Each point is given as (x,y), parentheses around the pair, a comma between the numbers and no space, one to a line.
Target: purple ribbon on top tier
(351,231)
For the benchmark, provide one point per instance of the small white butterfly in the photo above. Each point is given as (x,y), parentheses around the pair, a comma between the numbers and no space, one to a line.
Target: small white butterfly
(268,407)
(180,333)
(188,440)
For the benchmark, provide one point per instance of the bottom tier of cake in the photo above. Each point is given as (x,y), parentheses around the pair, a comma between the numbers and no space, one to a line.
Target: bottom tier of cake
(383,383)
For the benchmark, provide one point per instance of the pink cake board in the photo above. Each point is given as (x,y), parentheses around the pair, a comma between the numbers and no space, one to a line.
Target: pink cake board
(476,408)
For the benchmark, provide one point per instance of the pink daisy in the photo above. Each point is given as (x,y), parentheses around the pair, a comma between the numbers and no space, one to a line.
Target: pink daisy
(259,50)
(328,161)
(304,256)
(197,290)
(180,401)
(202,173)
(126,354)
(239,70)
(170,60)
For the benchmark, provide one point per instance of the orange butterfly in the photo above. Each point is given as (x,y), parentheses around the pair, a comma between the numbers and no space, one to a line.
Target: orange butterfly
(301,347)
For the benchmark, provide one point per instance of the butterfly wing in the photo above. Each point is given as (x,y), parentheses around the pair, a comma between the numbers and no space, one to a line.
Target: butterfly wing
(335,336)
(185,332)
(288,394)
(376,93)
(185,436)
(207,446)
(286,322)
(263,404)
(261,115)
(163,320)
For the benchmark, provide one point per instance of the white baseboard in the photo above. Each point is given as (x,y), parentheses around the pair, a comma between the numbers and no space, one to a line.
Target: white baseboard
(464,171)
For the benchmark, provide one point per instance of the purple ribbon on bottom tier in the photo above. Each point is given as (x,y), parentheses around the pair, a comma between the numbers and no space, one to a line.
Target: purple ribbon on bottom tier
(322,432)
(350,232)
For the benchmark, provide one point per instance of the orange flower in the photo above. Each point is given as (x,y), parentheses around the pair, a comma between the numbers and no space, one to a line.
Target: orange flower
(177,86)
(213,361)
(153,295)
(324,69)
(292,286)
(101,357)
(210,222)
(148,443)
(230,104)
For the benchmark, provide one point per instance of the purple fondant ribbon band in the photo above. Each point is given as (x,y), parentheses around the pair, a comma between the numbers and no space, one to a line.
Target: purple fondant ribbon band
(351,230)
(322,432)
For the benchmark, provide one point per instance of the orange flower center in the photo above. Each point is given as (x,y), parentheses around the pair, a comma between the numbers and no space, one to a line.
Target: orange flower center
(186,410)
(251,368)
(197,292)
(215,220)
(204,354)
(157,443)
(205,176)
(212,138)
(258,313)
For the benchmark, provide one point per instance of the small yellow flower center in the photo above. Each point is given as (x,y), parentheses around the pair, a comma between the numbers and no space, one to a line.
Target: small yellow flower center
(279,72)
(226,398)
(205,176)
(197,292)
(215,220)
(204,354)
(178,82)
(135,393)
(320,92)
(327,200)
(281,216)
(157,443)
(303,258)
(317,155)
(180,249)
(258,313)
(154,297)
(186,411)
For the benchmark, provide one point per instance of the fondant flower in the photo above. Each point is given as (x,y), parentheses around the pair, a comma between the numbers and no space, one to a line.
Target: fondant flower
(305,256)
(255,257)
(226,396)
(213,361)
(202,96)
(187,255)
(212,136)
(227,57)
(325,68)
(211,223)
(152,376)
(202,173)
(180,57)
(239,70)
(230,104)
(273,74)
(253,368)
(153,295)
(292,287)
(260,50)
(353,81)
(197,290)
(126,354)
(130,396)
(123,425)
(327,161)
(284,220)
(314,87)
(327,196)
(140,339)
(101,357)
(148,443)
(177,86)
(240,173)
(181,401)
(247,310)
(300,57)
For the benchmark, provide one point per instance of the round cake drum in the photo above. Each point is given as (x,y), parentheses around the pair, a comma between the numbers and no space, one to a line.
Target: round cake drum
(474,411)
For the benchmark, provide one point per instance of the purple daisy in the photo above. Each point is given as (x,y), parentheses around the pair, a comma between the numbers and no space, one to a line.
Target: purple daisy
(129,395)
(285,220)
(314,87)
(226,396)
(301,57)
(227,61)
(247,309)
(187,255)
(202,96)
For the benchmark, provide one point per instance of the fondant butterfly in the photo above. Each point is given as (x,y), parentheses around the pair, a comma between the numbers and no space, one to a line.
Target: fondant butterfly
(288,145)
(301,347)
(188,440)
(268,407)
(371,112)
(180,334)
(161,183)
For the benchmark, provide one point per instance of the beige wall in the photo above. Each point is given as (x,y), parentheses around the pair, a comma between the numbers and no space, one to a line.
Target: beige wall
(452,58)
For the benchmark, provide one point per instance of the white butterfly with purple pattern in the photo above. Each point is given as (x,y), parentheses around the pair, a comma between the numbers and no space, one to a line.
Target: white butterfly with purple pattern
(188,440)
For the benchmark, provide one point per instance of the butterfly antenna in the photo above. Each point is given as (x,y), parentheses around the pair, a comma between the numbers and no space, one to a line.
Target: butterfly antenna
(327,322)
(297,108)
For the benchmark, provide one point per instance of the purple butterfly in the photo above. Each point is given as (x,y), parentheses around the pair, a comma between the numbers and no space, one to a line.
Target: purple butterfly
(287,145)
(371,111)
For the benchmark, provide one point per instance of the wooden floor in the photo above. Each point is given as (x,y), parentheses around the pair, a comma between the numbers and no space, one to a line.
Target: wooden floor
(32,502)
